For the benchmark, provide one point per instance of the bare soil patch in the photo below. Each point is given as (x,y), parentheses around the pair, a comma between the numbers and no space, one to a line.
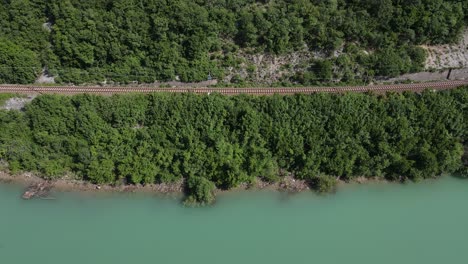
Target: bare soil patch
(16,103)
(448,56)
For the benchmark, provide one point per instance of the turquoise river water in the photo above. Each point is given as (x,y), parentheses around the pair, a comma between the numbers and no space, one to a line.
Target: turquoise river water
(377,223)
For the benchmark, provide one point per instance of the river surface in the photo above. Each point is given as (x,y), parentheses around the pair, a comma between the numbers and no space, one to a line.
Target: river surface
(378,223)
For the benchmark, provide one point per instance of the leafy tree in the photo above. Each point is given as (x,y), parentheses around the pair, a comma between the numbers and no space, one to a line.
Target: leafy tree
(18,64)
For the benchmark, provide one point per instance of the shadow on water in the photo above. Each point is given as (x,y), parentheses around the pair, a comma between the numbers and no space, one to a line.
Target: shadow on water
(286,196)
(461,174)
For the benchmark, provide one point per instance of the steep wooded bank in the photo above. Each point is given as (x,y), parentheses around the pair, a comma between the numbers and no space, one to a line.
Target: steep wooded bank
(350,41)
(219,141)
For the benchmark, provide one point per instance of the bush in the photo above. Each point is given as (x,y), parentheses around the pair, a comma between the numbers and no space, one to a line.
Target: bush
(200,191)
(462,172)
(323,184)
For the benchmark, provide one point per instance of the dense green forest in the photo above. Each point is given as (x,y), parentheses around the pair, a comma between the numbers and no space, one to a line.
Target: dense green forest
(149,40)
(219,141)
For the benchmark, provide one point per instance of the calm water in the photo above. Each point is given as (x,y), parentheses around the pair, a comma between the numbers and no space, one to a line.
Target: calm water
(416,223)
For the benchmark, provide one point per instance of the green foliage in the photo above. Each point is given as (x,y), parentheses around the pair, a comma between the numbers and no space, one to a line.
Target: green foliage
(147,40)
(462,172)
(323,184)
(200,191)
(17,64)
(101,170)
(222,142)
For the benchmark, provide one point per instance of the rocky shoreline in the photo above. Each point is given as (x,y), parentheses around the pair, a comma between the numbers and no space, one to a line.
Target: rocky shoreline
(69,185)
(31,182)
(37,187)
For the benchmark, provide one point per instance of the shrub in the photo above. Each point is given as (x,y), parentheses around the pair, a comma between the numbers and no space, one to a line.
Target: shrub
(200,191)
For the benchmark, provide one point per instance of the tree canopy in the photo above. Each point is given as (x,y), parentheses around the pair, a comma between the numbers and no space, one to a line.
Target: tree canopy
(219,141)
(17,64)
(148,40)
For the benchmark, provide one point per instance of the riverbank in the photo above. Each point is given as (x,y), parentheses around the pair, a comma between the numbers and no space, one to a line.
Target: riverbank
(67,184)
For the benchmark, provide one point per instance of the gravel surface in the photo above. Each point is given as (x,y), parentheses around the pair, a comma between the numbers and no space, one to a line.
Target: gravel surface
(16,103)
(448,56)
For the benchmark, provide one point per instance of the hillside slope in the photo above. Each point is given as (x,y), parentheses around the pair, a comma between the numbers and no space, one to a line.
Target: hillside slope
(303,42)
